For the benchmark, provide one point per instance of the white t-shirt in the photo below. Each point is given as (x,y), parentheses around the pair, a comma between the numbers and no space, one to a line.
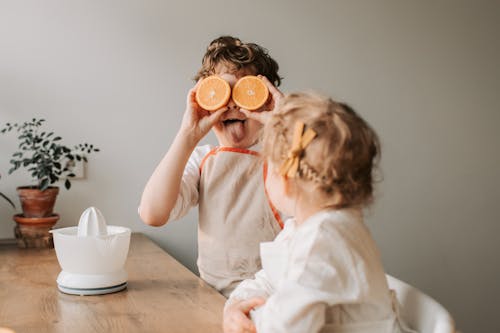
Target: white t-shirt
(323,275)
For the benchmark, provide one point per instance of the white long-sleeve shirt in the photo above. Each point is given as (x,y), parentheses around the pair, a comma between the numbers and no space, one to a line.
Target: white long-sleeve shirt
(323,275)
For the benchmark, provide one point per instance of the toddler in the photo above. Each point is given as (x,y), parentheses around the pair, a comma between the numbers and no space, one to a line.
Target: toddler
(323,272)
(225,182)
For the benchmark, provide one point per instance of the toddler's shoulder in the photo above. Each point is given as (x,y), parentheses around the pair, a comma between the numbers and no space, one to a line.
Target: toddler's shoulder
(332,231)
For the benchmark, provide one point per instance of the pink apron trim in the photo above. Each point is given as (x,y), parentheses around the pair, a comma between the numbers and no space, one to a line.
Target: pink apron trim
(229,149)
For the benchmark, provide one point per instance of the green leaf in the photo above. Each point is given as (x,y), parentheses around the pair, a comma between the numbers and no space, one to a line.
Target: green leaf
(53,178)
(44,184)
(8,200)
(67,184)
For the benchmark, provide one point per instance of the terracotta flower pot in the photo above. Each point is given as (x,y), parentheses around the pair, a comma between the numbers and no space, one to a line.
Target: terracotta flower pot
(36,203)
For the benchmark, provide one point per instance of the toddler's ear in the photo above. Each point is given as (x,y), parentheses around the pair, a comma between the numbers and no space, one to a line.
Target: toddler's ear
(290,187)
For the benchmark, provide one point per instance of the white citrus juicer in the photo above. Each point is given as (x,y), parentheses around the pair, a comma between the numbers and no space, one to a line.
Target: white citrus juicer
(92,256)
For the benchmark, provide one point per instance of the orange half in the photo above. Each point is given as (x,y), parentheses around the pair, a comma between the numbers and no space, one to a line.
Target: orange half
(213,93)
(250,93)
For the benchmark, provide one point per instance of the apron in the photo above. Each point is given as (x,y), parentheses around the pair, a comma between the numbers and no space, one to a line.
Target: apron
(235,216)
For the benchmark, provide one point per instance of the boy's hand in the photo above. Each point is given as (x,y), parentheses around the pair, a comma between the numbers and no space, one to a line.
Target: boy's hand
(196,122)
(236,316)
(267,110)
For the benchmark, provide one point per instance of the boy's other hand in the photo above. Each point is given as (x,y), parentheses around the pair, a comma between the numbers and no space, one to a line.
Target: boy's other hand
(197,122)
(275,95)
(236,316)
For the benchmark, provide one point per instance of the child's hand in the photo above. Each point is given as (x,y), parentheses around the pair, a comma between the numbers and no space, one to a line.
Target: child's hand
(196,122)
(236,316)
(275,96)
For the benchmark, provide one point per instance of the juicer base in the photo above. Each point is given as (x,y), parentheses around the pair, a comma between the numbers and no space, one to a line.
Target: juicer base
(92,291)
(91,281)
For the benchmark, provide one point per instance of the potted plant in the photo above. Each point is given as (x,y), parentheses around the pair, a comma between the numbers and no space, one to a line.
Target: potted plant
(49,161)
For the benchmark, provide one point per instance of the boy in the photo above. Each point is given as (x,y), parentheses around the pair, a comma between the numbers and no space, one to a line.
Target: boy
(226,182)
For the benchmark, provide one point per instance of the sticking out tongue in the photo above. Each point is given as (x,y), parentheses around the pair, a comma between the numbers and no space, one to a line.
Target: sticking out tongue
(236,130)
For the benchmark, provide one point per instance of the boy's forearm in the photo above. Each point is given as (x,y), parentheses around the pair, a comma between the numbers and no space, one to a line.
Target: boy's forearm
(162,188)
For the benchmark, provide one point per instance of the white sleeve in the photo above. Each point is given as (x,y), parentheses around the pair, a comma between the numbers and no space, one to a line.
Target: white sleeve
(259,286)
(318,276)
(189,190)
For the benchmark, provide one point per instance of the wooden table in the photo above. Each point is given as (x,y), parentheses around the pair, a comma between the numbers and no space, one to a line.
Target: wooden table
(162,296)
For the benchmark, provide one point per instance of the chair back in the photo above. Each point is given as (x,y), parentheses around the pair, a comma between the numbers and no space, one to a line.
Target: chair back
(419,311)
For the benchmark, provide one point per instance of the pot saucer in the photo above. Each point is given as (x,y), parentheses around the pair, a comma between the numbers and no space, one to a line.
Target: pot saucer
(36,221)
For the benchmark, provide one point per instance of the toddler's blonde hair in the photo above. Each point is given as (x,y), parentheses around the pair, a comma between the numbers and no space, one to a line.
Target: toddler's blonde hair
(337,166)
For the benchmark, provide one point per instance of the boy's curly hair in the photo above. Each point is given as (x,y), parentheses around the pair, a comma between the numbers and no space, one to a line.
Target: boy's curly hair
(337,166)
(235,54)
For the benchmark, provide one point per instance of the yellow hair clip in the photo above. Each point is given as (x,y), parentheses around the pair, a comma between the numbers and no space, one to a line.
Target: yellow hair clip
(299,143)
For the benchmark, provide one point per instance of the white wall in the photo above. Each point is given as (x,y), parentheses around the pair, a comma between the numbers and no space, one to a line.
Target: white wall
(424,73)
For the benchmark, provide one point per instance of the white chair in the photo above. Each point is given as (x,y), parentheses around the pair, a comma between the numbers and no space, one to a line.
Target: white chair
(419,311)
